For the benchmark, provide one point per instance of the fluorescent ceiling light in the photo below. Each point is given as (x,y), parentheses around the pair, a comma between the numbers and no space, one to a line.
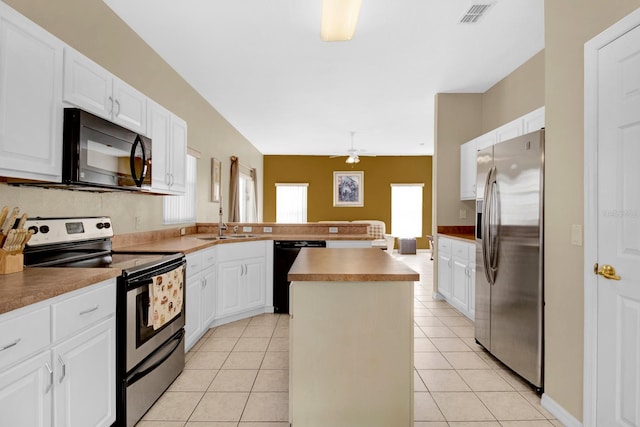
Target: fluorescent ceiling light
(339,19)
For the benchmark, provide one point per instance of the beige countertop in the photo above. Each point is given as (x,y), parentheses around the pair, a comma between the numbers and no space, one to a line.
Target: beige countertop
(194,242)
(33,285)
(349,265)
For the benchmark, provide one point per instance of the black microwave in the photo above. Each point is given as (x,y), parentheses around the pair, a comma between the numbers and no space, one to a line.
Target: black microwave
(102,155)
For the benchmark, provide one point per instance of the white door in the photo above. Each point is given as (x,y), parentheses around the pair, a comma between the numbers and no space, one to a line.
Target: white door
(618,236)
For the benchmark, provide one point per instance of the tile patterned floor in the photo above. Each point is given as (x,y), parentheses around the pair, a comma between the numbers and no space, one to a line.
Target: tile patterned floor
(237,374)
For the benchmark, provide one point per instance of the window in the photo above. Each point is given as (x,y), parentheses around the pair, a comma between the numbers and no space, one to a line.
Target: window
(246,199)
(291,203)
(406,210)
(178,209)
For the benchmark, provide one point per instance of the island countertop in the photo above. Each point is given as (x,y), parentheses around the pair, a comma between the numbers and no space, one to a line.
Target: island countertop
(349,265)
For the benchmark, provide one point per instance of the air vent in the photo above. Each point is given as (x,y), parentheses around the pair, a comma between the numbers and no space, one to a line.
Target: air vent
(474,13)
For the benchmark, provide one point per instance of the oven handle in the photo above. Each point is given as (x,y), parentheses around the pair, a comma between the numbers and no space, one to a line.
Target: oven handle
(133,282)
(158,358)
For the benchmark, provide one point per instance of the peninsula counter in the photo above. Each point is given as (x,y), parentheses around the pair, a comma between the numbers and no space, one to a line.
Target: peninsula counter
(351,339)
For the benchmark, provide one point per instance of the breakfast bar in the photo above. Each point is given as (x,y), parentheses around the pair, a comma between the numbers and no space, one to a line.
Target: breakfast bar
(351,339)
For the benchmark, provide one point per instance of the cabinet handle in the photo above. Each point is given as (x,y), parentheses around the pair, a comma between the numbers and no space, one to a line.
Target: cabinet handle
(204,283)
(90,310)
(111,107)
(46,364)
(117,105)
(12,344)
(64,369)
(172,180)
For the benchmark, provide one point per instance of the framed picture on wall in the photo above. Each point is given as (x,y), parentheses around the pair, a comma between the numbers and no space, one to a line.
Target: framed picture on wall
(216,176)
(348,189)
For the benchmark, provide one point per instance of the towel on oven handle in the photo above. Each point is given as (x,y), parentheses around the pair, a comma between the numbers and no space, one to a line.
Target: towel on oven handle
(165,297)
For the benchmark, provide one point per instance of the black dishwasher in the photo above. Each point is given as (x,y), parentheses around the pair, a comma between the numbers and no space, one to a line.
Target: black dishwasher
(284,254)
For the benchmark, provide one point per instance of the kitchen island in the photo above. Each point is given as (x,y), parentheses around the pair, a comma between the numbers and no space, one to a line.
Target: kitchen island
(351,339)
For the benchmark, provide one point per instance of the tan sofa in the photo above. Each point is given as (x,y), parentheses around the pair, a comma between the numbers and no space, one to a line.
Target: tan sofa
(377,230)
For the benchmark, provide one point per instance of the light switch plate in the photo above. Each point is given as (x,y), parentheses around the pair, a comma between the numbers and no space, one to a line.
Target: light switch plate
(463,213)
(266,229)
(576,234)
(333,229)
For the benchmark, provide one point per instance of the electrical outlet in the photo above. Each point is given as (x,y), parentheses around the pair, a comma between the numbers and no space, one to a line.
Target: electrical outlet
(266,229)
(333,229)
(463,213)
(183,231)
(246,229)
(138,222)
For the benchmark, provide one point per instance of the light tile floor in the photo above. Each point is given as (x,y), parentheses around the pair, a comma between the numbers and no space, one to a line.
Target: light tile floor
(237,374)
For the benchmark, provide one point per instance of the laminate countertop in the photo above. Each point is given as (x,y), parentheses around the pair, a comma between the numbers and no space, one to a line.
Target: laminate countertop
(349,265)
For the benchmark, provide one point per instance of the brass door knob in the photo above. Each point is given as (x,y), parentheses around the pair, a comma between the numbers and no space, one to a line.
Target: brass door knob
(608,272)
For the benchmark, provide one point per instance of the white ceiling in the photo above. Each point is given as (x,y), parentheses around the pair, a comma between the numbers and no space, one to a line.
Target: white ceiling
(262,65)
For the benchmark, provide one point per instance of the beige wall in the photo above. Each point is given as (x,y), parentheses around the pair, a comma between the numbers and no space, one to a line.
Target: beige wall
(514,96)
(458,119)
(92,28)
(569,24)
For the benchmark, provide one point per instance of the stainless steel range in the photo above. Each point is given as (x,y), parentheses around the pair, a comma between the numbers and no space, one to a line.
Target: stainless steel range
(150,312)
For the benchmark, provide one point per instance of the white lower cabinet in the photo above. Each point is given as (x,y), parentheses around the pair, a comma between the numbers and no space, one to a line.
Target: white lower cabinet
(444,267)
(242,278)
(70,380)
(201,294)
(26,393)
(456,274)
(84,373)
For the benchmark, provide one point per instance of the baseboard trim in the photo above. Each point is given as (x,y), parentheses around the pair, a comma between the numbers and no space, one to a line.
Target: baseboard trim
(559,412)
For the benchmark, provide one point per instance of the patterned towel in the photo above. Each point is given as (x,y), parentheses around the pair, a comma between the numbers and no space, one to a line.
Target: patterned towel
(165,297)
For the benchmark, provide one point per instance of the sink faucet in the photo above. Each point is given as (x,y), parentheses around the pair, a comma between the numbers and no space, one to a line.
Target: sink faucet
(235,229)
(221,225)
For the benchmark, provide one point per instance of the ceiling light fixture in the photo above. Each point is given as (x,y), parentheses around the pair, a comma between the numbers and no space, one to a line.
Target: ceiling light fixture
(353,158)
(339,19)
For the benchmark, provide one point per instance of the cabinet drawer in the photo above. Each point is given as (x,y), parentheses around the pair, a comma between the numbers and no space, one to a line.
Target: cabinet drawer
(24,334)
(444,244)
(81,310)
(460,250)
(208,257)
(194,263)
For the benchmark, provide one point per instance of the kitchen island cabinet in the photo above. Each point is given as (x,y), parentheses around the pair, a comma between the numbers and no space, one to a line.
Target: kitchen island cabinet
(351,339)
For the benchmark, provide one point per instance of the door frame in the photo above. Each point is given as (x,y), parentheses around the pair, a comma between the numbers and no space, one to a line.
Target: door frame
(591,49)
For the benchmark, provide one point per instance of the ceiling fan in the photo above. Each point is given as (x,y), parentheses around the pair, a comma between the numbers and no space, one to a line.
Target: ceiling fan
(354,154)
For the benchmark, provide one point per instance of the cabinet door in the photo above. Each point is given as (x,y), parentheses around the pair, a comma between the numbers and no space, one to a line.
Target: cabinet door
(159,131)
(254,278)
(533,121)
(178,155)
(193,312)
(26,393)
(508,131)
(87,85)
(459,281)
(468,170)
(30,99)
(444,273)
(130,107)
(85,378)
(472,285)
(208,297)
(229,289)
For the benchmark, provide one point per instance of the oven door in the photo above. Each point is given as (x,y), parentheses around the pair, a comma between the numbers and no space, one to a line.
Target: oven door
(142,336)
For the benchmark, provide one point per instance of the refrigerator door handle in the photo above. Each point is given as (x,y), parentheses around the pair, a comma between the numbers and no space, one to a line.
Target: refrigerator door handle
(488,251)
(494,226)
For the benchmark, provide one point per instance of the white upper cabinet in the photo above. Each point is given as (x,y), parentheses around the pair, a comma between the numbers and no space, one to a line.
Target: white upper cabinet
(533,121)
(92,88)
(530,122)
(168,134)
(30,99)
(468,170)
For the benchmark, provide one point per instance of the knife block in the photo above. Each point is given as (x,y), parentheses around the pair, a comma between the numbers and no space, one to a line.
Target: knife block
(10,263)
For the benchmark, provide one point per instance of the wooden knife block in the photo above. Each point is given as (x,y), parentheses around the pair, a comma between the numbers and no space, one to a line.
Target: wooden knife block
(10,263)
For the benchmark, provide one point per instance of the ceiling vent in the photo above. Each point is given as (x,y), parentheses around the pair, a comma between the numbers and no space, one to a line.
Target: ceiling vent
(474,13)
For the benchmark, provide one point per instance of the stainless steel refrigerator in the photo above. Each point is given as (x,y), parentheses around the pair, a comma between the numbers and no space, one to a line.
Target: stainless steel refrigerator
(509,254)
